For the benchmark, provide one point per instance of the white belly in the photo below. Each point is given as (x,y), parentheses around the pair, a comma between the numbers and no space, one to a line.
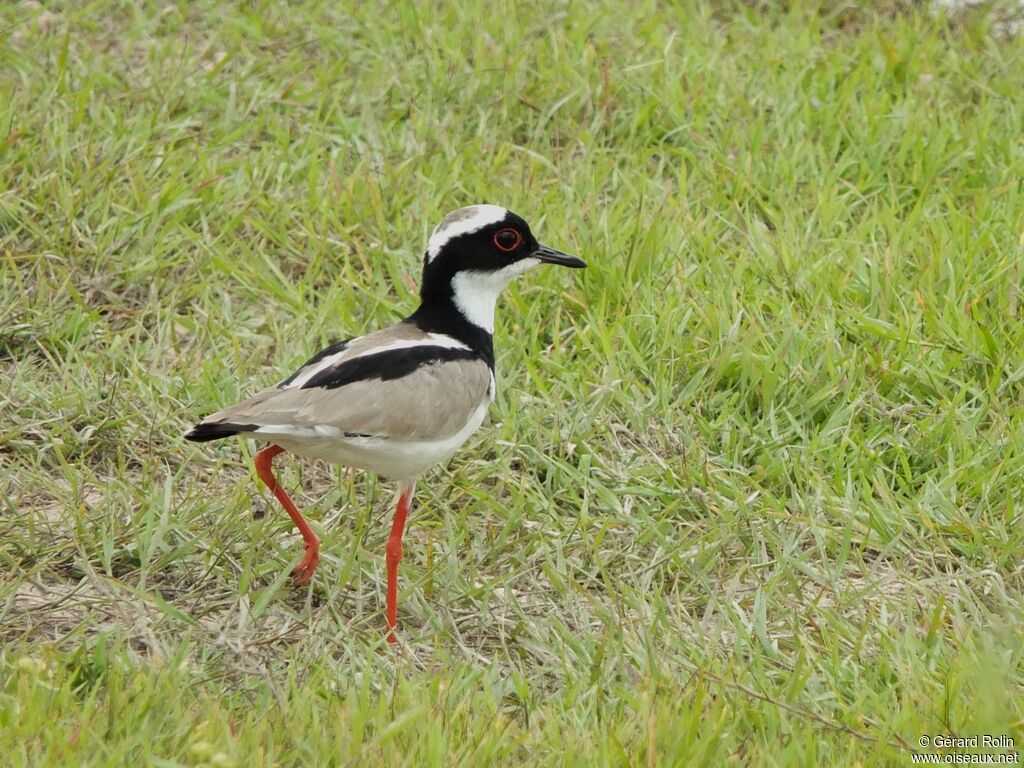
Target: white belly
(392,459)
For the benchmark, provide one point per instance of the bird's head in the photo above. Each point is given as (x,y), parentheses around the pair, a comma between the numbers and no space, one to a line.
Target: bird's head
(473,254)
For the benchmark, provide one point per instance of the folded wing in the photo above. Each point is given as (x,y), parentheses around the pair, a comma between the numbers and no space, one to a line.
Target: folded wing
(401,384)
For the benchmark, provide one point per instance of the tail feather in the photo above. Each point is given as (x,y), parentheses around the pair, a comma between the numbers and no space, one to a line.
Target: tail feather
(203,433)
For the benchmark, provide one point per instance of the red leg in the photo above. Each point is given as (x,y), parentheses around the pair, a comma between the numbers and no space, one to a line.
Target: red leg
(304,570)
(394,555)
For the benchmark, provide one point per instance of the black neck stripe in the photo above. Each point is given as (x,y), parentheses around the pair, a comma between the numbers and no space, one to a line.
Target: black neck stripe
(438,314)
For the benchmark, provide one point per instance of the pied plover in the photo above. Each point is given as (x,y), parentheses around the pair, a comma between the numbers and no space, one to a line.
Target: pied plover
(398,401)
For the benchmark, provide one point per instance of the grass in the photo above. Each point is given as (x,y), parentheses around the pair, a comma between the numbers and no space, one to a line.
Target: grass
(751,491)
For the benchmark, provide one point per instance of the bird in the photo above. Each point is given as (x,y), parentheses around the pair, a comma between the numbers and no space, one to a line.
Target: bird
(403,399)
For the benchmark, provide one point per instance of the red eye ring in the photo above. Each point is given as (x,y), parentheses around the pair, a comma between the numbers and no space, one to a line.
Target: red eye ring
(508,246)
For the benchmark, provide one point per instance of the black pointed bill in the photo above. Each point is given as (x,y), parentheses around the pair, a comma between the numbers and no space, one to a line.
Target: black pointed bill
(553,256)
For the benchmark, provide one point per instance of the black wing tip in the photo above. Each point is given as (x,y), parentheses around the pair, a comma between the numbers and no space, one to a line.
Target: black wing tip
(204,433)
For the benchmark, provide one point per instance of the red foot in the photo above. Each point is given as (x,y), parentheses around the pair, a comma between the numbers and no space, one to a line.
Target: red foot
(304,570)
(393,557)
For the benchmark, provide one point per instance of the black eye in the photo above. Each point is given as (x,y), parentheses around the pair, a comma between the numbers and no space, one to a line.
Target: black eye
(507,239)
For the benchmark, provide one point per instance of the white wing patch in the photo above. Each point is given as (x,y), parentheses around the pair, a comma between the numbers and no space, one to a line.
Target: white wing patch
(463,222)
(432,340)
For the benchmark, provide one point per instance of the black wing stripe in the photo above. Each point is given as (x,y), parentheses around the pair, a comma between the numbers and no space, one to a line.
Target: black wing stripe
(333,348)
(386,365)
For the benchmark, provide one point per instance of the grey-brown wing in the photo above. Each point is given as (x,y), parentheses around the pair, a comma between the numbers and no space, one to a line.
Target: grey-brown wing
(434,401)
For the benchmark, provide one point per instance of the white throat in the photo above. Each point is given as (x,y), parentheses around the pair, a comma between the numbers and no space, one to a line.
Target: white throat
(476,292)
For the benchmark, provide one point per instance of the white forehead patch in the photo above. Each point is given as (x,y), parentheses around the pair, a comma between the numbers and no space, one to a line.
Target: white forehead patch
(463,222)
